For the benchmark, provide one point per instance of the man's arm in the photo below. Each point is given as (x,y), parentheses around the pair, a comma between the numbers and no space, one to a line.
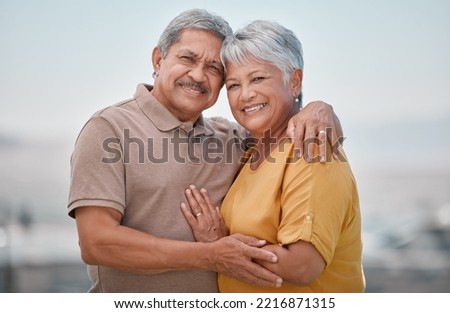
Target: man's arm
(314,125)
(305,130)
(104,241)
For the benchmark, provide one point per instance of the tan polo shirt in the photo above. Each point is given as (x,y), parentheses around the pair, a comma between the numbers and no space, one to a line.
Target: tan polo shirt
(137,158)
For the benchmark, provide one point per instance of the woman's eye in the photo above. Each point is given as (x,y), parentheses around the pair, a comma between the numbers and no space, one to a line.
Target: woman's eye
(259,78)
(231,86)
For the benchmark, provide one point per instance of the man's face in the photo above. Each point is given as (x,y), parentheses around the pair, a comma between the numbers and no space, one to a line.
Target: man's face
(190,77)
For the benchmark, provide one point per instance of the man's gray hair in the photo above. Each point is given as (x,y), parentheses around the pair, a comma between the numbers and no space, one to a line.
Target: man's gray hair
(267,42)
(193,19)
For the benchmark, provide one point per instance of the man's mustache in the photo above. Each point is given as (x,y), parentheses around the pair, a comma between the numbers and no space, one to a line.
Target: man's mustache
(192,83)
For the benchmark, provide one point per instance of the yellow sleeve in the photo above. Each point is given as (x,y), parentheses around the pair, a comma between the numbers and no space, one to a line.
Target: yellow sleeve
(316,200)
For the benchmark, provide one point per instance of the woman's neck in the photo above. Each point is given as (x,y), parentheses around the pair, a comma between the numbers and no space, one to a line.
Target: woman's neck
(268,141)
(264,145)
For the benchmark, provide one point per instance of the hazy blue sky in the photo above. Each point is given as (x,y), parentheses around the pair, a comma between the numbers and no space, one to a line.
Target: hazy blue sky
(382,64)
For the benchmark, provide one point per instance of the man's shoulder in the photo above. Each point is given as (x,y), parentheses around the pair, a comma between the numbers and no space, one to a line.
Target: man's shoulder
(230,129)
(108,118)
(219,123)
(115,109)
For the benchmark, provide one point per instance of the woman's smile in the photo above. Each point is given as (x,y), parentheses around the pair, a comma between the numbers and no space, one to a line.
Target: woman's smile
(254,107)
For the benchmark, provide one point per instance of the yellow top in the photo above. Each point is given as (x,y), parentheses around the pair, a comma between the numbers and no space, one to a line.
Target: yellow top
(286,200)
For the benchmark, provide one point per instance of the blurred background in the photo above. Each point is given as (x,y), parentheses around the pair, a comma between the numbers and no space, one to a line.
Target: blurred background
(383,65)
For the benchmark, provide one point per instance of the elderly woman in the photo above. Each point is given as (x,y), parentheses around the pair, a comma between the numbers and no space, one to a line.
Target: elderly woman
(308,213)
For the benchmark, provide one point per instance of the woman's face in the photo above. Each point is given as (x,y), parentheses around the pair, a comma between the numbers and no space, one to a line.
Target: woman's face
(259,98)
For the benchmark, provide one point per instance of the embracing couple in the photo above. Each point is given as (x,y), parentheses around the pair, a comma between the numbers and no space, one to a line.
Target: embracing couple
(271,215)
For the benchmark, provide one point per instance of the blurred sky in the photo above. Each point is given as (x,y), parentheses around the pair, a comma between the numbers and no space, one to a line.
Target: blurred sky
(383,65)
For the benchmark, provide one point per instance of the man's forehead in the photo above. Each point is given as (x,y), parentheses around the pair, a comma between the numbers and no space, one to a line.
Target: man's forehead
(197,54)
(197,46)
(193,35)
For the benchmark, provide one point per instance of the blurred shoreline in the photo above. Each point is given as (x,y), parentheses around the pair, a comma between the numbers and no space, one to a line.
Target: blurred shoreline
(38,241)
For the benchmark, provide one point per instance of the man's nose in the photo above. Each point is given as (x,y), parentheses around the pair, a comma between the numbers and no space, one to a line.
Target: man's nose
(197,73)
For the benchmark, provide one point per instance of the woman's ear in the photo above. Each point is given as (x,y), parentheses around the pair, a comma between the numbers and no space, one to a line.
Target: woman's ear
(296,80)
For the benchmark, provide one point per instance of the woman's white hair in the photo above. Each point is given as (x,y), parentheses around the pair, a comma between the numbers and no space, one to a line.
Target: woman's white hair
(267,42)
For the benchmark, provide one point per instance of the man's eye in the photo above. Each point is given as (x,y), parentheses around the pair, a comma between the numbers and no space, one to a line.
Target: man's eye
(216,70)
(187,58)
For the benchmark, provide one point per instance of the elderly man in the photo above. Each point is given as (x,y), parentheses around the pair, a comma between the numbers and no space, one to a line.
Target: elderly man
(133,161)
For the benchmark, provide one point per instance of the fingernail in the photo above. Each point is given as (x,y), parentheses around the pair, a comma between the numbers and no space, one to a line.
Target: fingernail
(203,190)
(192,186)
(278,283)
(274,259)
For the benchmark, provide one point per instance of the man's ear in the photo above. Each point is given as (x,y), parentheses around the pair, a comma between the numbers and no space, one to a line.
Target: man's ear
(296,80)
(156,59)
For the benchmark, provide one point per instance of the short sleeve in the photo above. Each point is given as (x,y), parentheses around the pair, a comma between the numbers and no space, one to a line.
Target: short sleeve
(295,219)
(316,200)
(97,169)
